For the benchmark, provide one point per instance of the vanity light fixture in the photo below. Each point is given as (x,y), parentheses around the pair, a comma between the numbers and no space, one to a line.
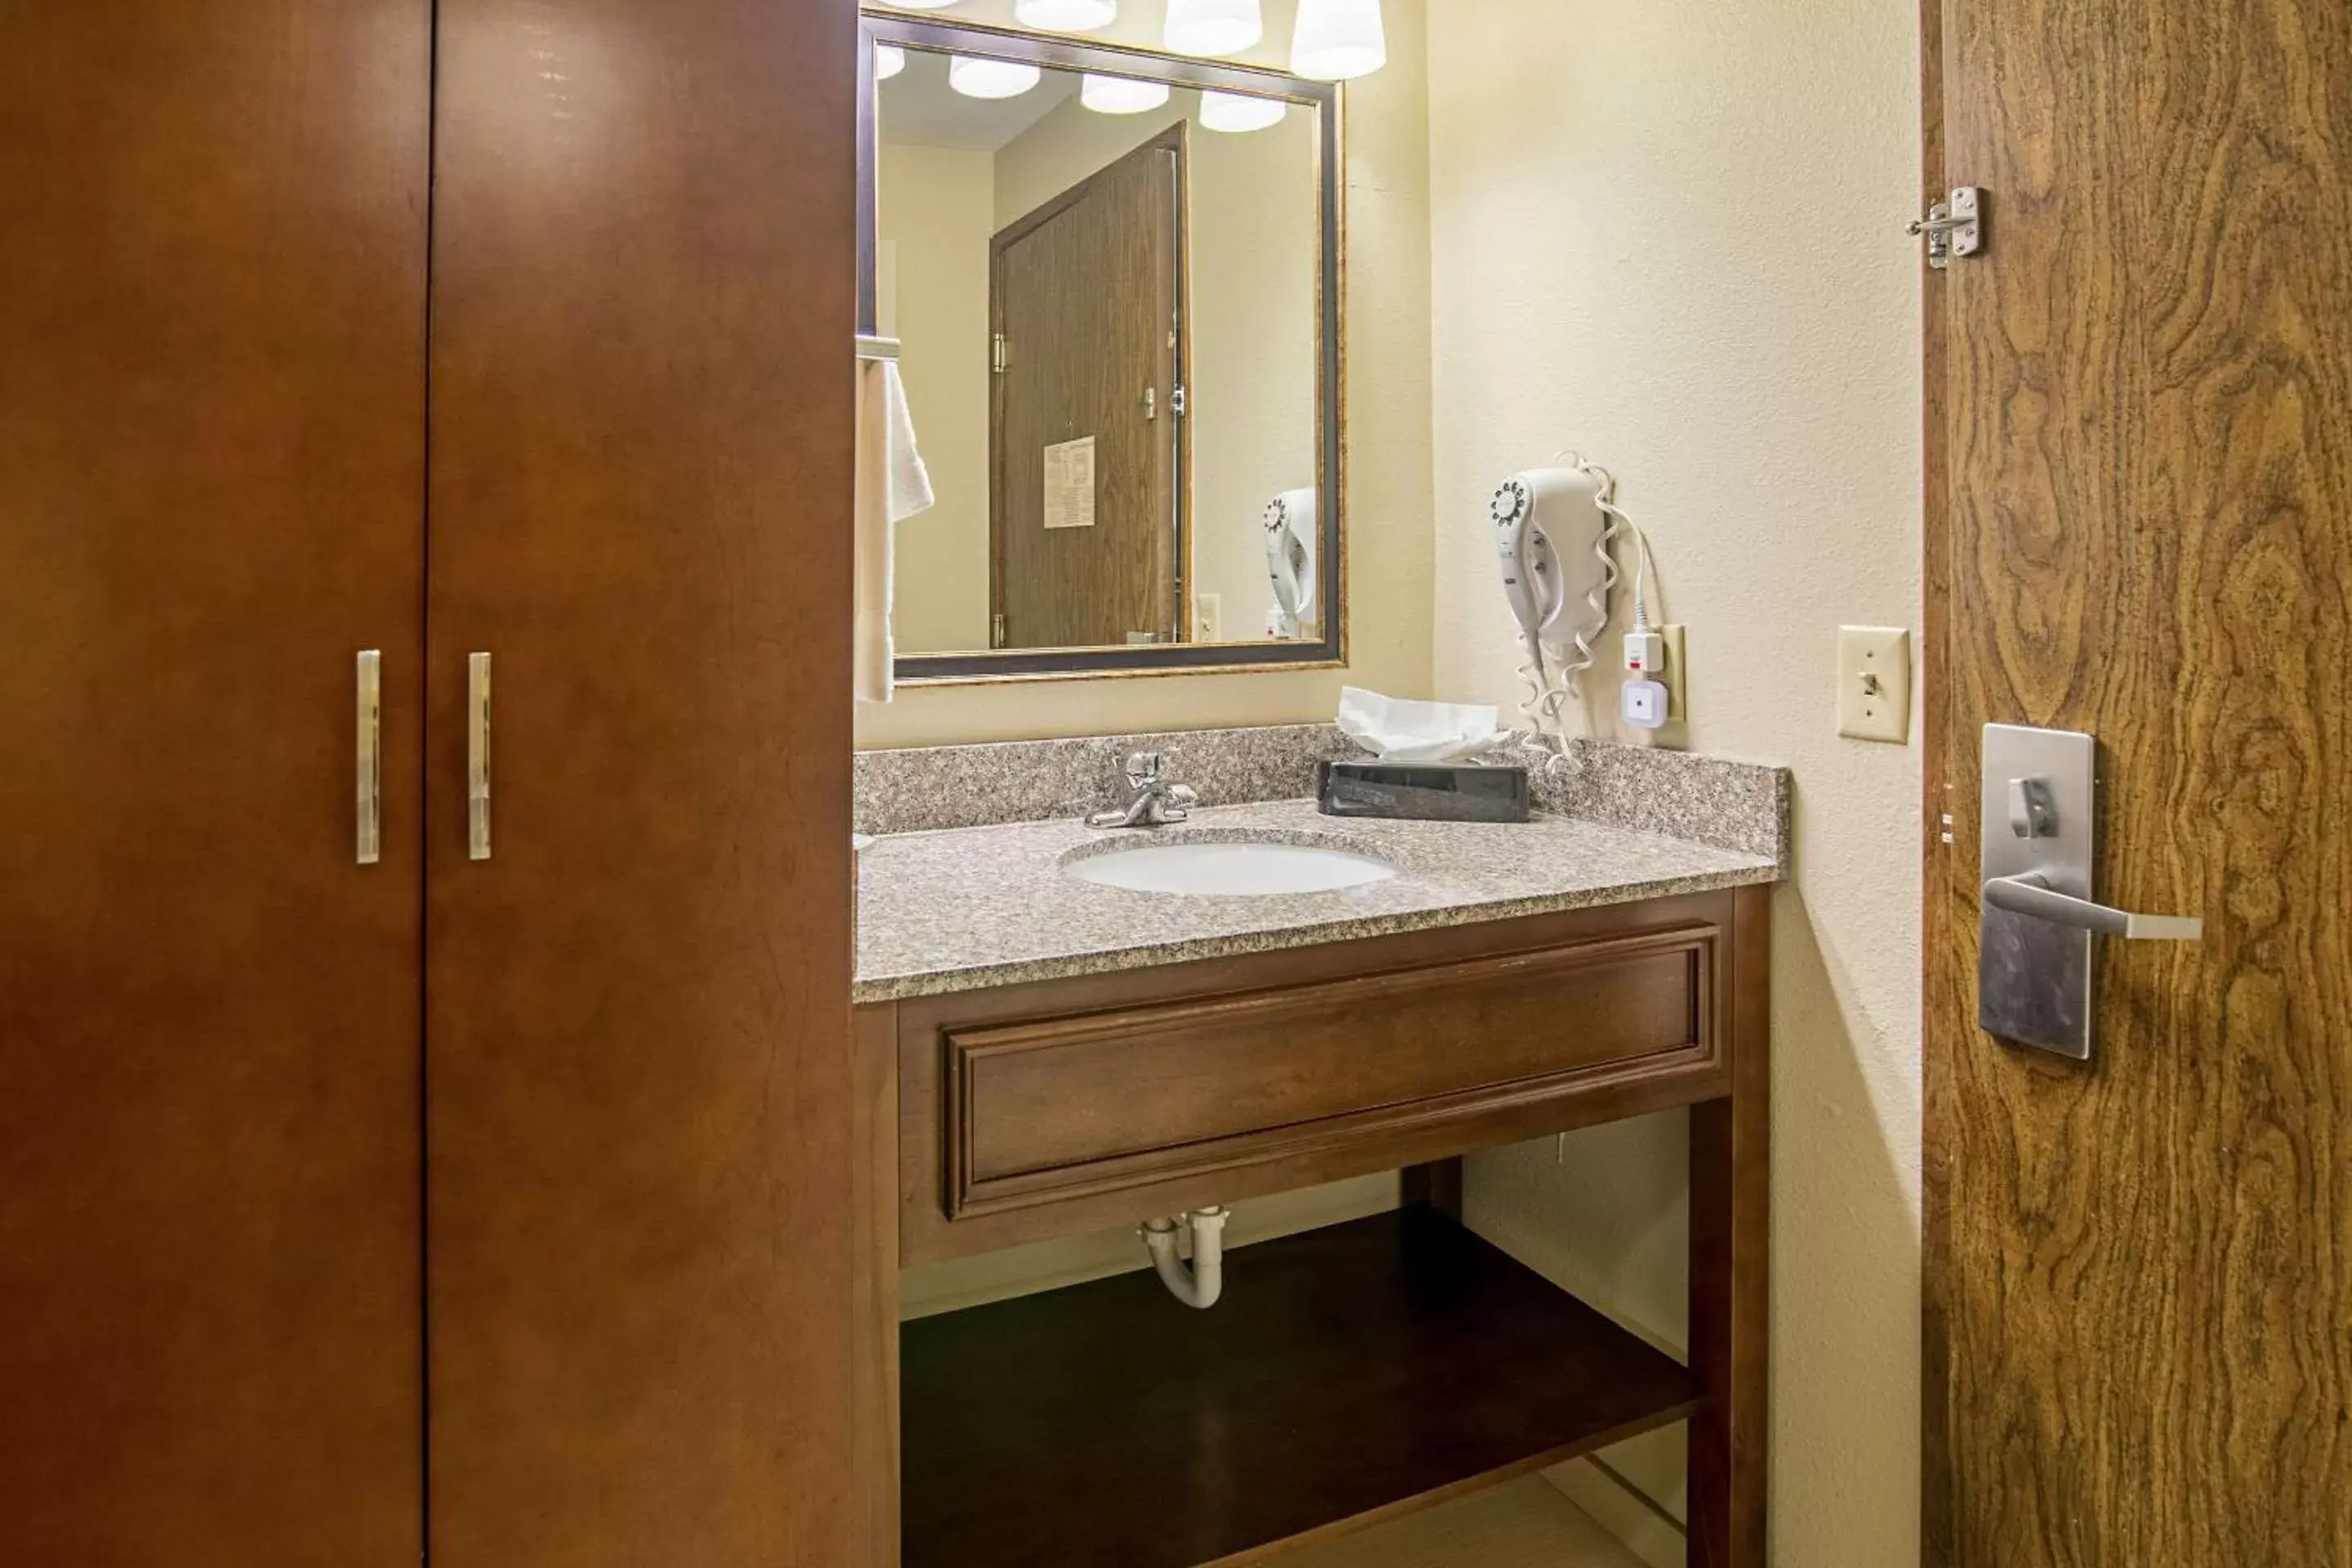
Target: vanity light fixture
(889,59)
(1234,111)
(1121,95)
(920,4)
(1214,28)
(1065,16)
(975,76)
(1338,39)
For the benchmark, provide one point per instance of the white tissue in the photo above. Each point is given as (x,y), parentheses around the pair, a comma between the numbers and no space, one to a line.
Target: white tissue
(1400,732)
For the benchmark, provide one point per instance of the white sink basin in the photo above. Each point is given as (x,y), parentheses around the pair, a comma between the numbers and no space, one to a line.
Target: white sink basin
(1213,870)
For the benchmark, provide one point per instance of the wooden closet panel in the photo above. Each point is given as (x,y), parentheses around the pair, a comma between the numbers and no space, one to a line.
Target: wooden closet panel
(212,430)
(639,1087)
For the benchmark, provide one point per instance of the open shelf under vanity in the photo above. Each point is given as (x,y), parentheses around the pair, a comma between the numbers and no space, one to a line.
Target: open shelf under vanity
(1348,1372)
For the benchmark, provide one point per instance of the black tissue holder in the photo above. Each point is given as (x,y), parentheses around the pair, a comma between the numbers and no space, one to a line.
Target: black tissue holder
(1422,792)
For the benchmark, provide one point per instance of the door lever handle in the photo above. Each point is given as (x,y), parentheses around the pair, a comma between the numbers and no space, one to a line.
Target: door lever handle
(2031,894)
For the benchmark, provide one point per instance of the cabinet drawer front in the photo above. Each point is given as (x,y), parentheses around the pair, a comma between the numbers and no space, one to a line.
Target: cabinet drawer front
(1038,1107)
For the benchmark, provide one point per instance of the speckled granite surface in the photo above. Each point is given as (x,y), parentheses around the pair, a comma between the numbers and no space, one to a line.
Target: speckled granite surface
(961,909)
(927,787)
(1709,800)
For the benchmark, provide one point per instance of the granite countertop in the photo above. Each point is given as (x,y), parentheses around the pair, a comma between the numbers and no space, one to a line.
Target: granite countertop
(961,909)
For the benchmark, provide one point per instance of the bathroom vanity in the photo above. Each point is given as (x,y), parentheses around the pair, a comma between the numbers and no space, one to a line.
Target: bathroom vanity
(1044,1056)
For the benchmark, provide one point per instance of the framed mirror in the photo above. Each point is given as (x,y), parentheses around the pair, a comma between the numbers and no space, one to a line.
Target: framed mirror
(1112,281)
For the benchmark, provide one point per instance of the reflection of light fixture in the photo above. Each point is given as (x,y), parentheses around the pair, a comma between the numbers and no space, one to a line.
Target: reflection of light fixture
(1337,40)
(889,59)
(1121,95)
(976,78)
(1231,112)
(1213,27)
(1065,16)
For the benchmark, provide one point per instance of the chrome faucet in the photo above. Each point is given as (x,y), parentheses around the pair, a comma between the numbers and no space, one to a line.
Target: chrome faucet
(1155,804)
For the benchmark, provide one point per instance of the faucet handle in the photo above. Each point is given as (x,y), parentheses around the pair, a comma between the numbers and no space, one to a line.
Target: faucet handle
(1143,768)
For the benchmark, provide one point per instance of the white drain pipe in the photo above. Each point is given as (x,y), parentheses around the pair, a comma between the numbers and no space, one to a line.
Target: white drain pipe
(1201,1284)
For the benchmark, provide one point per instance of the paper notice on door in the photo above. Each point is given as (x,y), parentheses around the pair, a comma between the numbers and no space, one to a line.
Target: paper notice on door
(1070,484)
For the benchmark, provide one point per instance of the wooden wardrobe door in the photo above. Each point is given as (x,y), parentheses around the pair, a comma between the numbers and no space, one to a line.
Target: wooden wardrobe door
(638,1020)
(212,472)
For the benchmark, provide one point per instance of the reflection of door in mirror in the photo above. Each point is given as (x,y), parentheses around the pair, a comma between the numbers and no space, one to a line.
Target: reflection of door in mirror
(1084,519)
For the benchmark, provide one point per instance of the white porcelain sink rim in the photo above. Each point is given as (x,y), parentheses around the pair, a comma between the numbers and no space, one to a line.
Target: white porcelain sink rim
(1337,850)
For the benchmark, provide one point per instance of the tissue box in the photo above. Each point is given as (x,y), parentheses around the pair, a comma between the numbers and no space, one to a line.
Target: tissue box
(1423,792)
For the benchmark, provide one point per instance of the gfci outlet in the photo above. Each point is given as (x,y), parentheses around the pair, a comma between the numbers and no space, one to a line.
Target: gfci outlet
(1873,676)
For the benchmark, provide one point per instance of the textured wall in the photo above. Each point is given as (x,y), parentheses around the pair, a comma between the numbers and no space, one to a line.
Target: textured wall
(1667,232)
(1388,540)
(937,211)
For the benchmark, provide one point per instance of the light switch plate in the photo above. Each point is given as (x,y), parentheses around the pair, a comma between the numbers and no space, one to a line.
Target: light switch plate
(1874,674)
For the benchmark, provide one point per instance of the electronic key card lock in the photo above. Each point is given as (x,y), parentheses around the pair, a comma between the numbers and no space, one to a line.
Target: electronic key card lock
(2035,974)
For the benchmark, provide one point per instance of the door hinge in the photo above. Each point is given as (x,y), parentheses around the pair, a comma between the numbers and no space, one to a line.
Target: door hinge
(996,631)
(1178,402)
(1000,354)
(1954,227)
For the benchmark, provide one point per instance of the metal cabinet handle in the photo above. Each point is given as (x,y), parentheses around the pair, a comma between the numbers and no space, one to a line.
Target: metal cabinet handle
(370,834)
(478,756)
(2031,895)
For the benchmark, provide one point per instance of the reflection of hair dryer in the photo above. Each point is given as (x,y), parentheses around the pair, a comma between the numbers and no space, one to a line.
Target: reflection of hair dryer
(1292,524)
(1552,528)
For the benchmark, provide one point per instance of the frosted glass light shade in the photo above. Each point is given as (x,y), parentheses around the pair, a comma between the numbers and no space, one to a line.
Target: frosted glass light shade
(992,79)
(1233,111)
(1213,27)
(1337,40)
(889,59)
(1065,16)
(1121,95)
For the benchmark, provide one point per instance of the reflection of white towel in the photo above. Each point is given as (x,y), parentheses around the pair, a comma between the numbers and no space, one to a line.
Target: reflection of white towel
(891,488)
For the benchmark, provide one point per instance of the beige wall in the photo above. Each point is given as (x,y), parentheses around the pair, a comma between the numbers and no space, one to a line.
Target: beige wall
(935,212)
(1253,246)
(1390,542)
(1663,233)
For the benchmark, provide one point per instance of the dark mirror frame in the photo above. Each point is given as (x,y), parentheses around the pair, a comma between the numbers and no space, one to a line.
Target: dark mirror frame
(1073,54)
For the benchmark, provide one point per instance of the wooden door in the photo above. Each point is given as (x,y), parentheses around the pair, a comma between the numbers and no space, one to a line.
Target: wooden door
(1083,428)
(2139,1270)
(212,461)
(638,1069)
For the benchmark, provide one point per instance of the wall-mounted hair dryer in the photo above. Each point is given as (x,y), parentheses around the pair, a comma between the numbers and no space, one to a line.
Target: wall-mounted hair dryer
(1293,527)
(1552,532)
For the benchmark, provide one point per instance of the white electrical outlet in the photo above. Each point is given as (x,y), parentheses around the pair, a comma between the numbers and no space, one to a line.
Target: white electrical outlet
(1208,617)
(1874,690)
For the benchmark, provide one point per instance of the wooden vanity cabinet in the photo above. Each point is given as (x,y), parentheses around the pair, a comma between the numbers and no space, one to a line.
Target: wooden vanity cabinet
(1018,1114)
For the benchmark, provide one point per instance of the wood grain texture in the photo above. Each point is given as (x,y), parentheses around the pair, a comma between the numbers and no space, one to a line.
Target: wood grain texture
(1349,1374)
(1045,1104)
(1409,1121)
(1732,1268)
(211,422)
(640,1086)
(1083,293)
(2140,1274)
(874,1209)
